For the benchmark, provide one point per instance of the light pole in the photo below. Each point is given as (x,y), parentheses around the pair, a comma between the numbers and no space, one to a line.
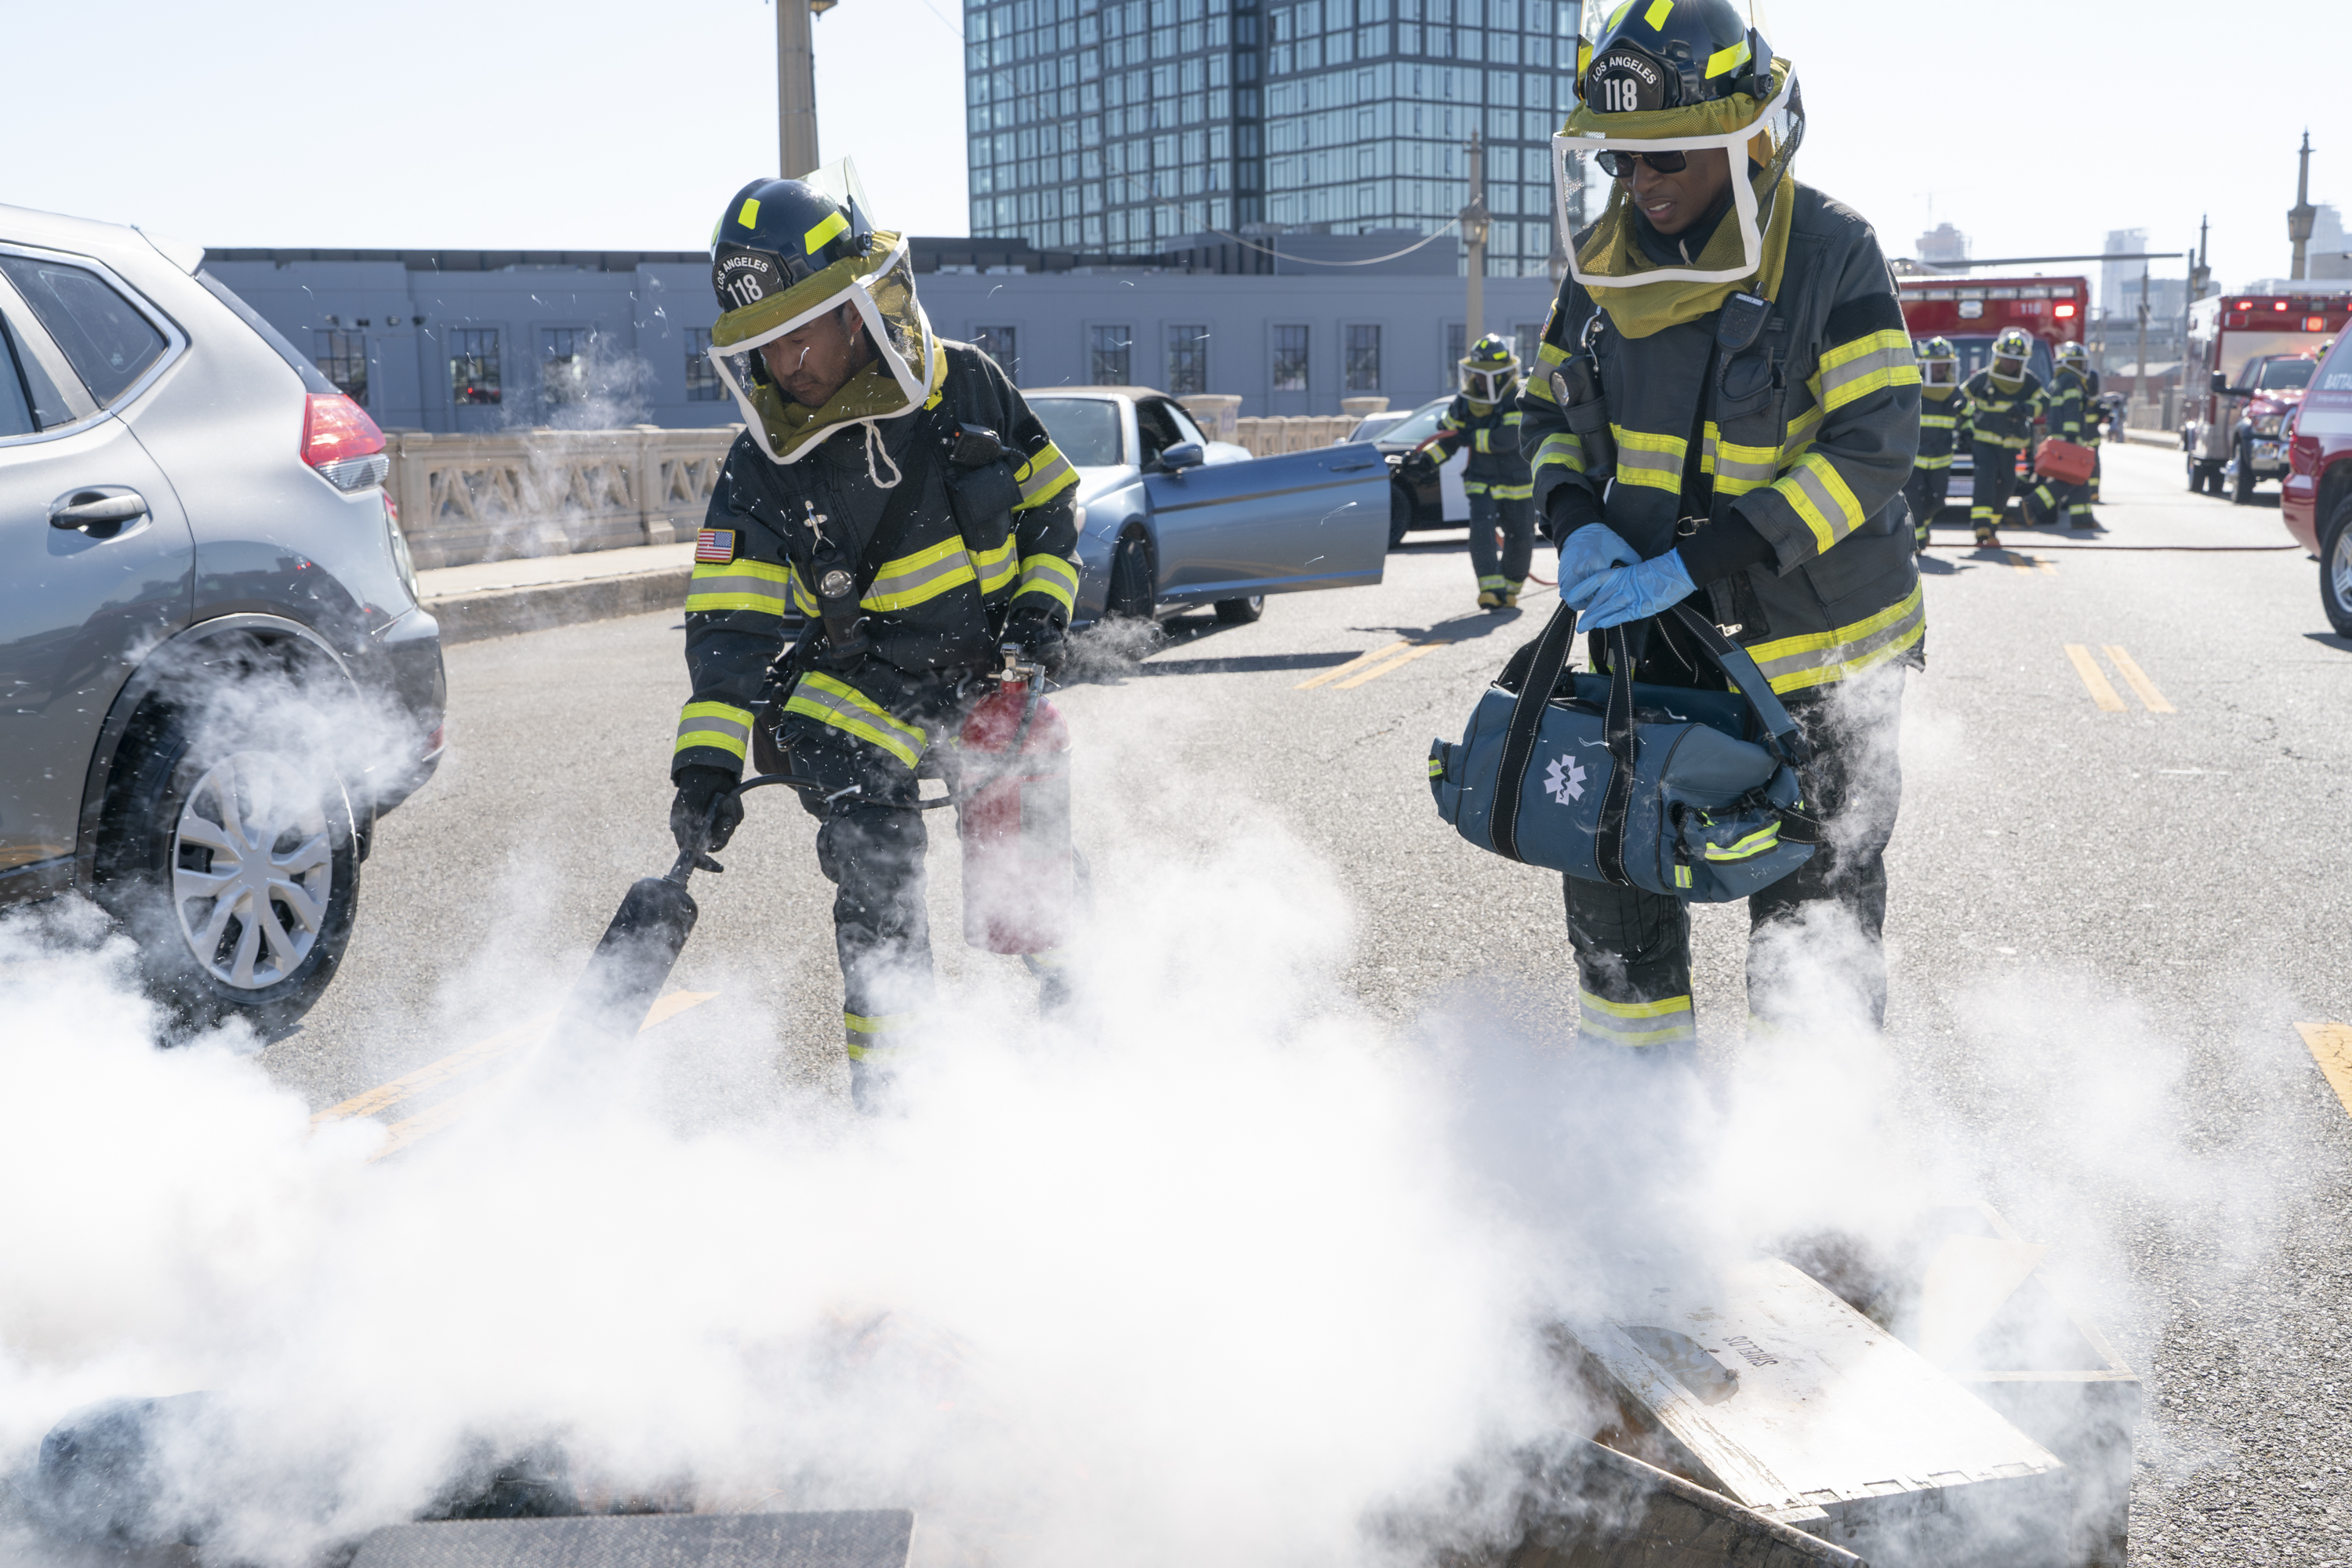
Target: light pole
(2299,217)
(2139,371)
(1474,231)
(796,83)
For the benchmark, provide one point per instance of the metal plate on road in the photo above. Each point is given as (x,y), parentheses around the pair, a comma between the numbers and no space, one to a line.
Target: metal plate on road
(876,1539)
(1794,1403)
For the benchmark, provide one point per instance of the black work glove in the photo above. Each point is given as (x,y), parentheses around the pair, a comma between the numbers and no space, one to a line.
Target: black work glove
(697,786)
(1039,638)
(1419,465)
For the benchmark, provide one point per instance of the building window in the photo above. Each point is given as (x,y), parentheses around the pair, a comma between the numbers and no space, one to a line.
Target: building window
(1001,344)
(473,364)
(563,365)
(1107,356)
(1290,359)
(342,358)
(1363,359)
(1529,338)
(703,383)
(1188,361)
(1457,345)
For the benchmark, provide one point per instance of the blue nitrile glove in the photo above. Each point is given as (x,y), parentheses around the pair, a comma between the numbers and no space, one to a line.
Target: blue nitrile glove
(1586,557)
(1634,593)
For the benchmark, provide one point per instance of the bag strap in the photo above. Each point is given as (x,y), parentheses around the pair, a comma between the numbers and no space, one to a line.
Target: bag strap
(1543,673)
(1782,738)
(1625,750)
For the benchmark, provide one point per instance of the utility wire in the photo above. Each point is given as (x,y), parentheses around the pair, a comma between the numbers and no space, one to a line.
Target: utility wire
(1320,261)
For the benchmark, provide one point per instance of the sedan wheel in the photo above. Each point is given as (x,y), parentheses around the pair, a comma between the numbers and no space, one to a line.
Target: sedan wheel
(1241,612)
(1133,594)
(253,870)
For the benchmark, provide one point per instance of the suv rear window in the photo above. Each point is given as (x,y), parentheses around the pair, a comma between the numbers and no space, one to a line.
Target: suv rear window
(312,379)
(108,342)
(2286,375)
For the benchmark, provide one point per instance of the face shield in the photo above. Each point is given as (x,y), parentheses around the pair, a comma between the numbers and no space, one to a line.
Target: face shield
(1487,383)
(1760,143)
(2010,353)
(907,362)
(1940,372)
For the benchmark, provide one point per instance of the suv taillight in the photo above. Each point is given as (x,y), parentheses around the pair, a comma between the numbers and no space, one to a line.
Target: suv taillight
(342,443)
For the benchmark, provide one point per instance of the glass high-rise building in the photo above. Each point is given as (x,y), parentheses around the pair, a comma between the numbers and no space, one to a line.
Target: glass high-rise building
(1123,125)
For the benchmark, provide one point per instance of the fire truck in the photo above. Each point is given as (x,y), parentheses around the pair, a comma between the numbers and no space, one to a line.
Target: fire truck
(2250,357)
(1972,311)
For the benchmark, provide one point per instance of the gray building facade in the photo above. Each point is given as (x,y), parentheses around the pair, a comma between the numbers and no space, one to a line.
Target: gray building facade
(1120,125)
(446,340)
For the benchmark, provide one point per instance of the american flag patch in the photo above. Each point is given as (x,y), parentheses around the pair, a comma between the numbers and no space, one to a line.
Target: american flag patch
(716,545)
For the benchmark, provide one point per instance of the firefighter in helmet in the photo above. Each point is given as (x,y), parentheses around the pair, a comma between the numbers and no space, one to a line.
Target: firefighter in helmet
(893,492)
(1741,410)
(2073,416)
(1485,417)
(2004,400)
(1943,417)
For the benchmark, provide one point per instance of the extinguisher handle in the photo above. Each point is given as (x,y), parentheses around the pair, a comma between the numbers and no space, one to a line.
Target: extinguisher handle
(694,857)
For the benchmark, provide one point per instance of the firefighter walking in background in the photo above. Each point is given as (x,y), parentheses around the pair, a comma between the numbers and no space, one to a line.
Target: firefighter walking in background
(1485,417)
(2073,416)
(897,493)
(2004,399)
(1725,410)
(1943,424)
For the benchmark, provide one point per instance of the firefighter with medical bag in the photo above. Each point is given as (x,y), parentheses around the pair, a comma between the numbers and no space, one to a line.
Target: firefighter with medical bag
(2066,465)
(1485,417)
(896,493)
(1723,415)
(1943,423)
(2004,400)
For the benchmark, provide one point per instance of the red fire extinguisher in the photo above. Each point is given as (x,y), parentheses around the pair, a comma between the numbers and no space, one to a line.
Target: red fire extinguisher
(1019,877)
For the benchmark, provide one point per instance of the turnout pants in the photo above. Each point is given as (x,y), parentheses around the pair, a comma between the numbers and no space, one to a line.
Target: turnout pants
(1814,944)
(2055,502)
(1994,482)
(1505,572)
(1924,492)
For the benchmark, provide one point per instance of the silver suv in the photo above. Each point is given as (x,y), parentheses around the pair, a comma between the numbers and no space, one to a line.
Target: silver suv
(213,674)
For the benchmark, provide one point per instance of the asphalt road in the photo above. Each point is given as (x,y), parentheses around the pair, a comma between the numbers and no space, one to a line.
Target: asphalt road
(2106,921)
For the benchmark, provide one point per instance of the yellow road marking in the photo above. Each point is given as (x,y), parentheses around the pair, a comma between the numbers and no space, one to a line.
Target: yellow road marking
(2030,563)
(2331,1048)
(1336,671)
(458,1063)
(2095,677)
(1399,662)
(2150,697)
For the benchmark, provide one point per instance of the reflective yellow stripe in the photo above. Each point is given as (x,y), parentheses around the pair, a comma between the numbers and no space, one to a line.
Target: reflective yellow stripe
(1865,366)
(1986,438)
(911,580)
(871,1037)
(1657,13)
(1655,462)
(1737,468)
(722,725)
(1512,492)
(1938,422)
(739,585)
(1658,1023)
(1816,658)
(1563,450)
(1045,475)
(1482,438)
(1050,575)
(1729,59)
(1943,462)
(1755,844)
(1474,487)
(1551,353)
(996,568)
(1820,495)
(1437,769)
(748,217)
(831,701)
(1512,418)
(814,239)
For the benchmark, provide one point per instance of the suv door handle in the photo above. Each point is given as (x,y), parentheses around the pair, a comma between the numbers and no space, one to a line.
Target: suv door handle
(97,508)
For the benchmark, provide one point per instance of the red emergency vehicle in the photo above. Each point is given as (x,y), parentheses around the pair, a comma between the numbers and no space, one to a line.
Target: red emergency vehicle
(2316,501)
(2250,359)
(1972,311)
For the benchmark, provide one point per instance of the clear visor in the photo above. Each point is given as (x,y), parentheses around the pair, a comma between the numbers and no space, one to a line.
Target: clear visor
(1769,142)
(894,324)
(1940,372)
(1487,386)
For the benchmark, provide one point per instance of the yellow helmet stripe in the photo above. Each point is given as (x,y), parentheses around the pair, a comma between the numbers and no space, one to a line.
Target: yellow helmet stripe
(814,241)
(750,216)
(1657,13)
(1729,59)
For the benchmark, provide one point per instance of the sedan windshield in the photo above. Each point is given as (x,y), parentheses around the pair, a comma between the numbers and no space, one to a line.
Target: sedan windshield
(1417,427)
(1086,429)
(2286,375)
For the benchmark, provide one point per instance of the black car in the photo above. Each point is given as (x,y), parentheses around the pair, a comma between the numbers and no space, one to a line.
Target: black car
(1428,500)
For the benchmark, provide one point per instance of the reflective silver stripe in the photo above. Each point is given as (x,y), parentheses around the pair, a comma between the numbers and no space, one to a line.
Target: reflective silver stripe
(912,579)
(1816,658)
(1041,483)
(832,701)
(1655,461)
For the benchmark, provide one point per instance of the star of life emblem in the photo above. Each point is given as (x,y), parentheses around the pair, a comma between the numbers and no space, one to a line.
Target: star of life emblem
(1564,780)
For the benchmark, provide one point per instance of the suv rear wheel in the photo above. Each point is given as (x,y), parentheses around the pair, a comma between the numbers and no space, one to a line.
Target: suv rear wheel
(231,861)
(2336,568)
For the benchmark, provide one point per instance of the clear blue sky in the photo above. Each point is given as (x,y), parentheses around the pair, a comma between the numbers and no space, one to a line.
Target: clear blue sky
(2035,125)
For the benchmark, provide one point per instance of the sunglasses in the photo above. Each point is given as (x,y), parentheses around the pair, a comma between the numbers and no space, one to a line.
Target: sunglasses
(1620,165)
